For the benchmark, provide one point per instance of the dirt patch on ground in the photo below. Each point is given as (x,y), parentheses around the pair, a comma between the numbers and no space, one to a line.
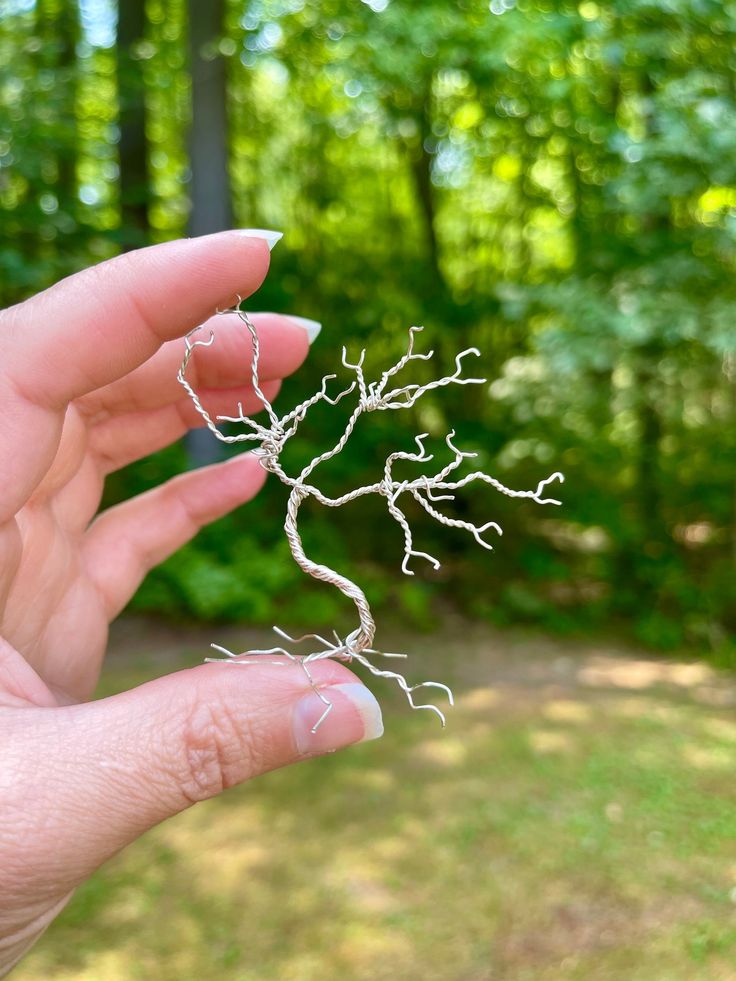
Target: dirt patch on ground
(472,658)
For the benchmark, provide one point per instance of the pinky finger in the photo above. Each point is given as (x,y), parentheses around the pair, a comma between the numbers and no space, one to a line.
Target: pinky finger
(128,540)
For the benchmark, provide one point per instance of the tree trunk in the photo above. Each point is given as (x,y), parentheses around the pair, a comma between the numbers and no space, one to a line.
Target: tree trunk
(134,192)
(211,201)
(59,30)
(211,209)
(421,169)
(648,483)
(68,34)
(421,165)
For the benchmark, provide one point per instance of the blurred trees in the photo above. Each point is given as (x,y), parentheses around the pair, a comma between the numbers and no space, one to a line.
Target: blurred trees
(554,182)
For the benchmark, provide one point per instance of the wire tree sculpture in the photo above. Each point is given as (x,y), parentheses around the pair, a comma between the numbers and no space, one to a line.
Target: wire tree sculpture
(383,395)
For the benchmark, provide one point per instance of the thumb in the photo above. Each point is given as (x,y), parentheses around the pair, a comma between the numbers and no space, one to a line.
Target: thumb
(113,768)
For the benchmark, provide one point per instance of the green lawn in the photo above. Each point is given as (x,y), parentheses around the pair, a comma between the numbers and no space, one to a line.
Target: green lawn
(577,819)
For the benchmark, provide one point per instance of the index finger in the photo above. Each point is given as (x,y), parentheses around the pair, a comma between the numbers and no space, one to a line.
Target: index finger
(96,326)
(100,324)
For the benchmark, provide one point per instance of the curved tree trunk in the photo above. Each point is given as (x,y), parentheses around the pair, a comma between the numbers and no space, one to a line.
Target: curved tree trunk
(360,639)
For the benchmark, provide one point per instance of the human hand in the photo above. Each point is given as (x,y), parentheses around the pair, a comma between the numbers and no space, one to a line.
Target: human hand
(88,385)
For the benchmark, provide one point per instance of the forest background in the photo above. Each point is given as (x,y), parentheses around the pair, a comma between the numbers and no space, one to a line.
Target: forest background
(551,182)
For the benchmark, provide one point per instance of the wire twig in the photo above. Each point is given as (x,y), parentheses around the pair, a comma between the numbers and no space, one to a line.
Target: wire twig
(426,490)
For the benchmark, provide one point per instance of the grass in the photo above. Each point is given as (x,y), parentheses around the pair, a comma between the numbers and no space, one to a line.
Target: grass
(576,820)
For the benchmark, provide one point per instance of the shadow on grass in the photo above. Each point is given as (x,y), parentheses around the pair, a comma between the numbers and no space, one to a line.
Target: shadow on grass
(577,819)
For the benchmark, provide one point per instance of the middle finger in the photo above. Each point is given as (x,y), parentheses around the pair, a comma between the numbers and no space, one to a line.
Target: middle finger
(284,343)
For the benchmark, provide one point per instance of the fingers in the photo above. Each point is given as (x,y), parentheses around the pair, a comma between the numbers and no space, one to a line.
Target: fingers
(125,438)
(95,327)
(131,538)
(284,344)
(19,683)
(91,778)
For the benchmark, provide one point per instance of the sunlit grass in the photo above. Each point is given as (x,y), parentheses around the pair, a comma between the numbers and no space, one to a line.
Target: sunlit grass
(576,820)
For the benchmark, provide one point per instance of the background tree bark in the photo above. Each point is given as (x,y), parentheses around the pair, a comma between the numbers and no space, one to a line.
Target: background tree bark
(211,199)
(134,181)
(211,209)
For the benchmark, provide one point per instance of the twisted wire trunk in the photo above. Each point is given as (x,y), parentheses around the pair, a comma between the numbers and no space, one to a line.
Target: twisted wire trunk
(360,639)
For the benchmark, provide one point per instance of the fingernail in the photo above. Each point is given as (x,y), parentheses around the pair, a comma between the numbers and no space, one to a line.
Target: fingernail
(355,717)
(269,237)
(312,327)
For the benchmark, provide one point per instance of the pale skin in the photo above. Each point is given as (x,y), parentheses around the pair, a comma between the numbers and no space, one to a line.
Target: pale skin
(88,385)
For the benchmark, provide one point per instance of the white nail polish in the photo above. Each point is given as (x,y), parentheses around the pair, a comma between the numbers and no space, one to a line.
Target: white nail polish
(365,702)
(269,237)
(355,717)
(312,327)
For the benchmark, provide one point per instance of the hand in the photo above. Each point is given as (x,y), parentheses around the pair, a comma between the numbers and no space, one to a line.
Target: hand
(88,385)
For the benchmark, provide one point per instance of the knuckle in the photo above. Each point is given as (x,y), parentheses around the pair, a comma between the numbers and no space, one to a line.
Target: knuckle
(217,751)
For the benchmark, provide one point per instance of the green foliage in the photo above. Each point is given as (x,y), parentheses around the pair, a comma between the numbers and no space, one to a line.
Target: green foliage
(554,183)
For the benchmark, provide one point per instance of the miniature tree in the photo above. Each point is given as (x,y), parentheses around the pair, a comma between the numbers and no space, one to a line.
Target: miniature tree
(376,396)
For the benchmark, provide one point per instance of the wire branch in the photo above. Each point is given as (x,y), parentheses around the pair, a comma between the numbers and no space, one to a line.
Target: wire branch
(426,490)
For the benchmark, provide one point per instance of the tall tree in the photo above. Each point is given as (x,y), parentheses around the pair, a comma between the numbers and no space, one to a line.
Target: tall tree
(134,183)
(211,204)
(59,31)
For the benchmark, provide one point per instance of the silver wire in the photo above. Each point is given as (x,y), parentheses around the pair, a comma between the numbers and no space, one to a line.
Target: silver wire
(371,397)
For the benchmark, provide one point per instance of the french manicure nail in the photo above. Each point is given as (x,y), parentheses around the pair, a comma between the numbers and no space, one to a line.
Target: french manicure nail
(312,327)
(269,237)
(355,717)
